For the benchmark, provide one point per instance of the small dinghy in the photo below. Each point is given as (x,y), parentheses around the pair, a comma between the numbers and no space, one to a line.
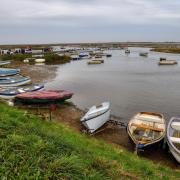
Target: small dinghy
(43,97)
(173,137)
(2,63)
(14,81)
(8,72)
(146,129)
(10,93)
(145,54)
(96,117)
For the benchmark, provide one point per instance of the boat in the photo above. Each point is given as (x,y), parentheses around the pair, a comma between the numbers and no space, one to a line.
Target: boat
(167,62)
(2,63)
(39,60)
(95,62)
(146,129)
(108,55)
(145,54)
(8,72)
(96,117)
(43,97)
(173,137)
(11,92)
(14,81)
(127,51)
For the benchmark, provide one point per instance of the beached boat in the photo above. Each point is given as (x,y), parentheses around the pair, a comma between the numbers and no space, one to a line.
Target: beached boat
(2,63)
(39,60)
(146,129)
(145,54)
(94,62)
(43,97)
(173,137)
(167,62)
(96,117)
(14,81)
(8,72)
(11,92)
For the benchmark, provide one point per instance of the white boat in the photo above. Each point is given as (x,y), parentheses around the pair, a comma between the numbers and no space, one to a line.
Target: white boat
(96,117)
(146,129)
(2,63)
(40,60)
(173,137)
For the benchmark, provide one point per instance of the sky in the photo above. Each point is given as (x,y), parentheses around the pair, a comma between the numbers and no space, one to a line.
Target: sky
(79,21)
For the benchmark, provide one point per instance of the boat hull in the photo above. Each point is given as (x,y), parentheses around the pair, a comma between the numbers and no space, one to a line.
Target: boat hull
(27,81)
(175,154)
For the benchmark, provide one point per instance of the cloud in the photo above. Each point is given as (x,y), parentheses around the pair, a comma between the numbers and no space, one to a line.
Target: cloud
(98,14)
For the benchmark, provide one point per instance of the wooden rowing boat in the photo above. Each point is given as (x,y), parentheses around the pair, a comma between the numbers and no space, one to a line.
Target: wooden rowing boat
(146,129)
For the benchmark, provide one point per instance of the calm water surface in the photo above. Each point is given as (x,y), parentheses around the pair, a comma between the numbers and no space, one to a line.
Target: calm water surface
(131,83)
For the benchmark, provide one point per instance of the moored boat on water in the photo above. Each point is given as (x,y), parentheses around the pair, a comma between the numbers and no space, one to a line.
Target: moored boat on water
(43,97)
(127,51)
(167,62)
(8,72)
(11,81)
(94,62)
(145,54)
(173,137)
(146,129)
(96,117)
(11,92)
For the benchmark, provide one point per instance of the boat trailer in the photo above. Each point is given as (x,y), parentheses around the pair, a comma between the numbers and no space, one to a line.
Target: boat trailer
(112,123)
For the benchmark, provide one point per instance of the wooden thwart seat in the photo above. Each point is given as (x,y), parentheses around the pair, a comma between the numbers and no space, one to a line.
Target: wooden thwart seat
(147,127)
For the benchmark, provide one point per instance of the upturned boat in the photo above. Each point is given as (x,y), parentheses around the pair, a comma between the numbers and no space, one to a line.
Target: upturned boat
(96,117)
(2,63)
(43,97)
(146,129)
(8,72)
(14,81)
(173,137)
(10,93)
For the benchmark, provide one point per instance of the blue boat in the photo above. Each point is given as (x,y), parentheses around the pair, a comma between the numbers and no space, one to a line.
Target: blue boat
(14,81)
(4,63)
(11,92)
(8,72)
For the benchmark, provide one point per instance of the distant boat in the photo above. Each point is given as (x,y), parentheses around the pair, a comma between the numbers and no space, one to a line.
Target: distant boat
(145,54)
(14,81)
(96,117)
(2,63)
(11,92)
(146,129)
(127,51)
(8,72)
(75,57)
(167,62)
(173,137)
(43,97)
(39,60)
(108,55)
(94,62)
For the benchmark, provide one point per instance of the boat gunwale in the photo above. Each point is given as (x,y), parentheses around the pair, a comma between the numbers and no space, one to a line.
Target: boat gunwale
(168,135)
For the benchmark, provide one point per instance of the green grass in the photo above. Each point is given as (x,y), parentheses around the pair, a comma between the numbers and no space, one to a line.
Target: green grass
(167,49)
(33,149)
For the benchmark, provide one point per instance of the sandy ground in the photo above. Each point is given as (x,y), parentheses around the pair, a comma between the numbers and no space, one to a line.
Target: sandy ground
(70,115)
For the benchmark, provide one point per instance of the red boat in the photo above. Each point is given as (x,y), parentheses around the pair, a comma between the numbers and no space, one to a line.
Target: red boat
(43,97)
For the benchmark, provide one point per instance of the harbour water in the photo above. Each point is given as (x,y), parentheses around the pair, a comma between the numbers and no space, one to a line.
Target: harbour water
(130,82)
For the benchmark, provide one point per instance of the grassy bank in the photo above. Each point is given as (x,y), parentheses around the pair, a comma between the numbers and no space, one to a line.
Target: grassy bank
(33,149)
(167,49)
(50,58)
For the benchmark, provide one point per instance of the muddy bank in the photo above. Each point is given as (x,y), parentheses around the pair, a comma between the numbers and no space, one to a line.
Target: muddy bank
(70,115)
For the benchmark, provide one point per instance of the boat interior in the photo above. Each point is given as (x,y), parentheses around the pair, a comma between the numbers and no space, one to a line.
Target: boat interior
(175,134)
(147,127)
